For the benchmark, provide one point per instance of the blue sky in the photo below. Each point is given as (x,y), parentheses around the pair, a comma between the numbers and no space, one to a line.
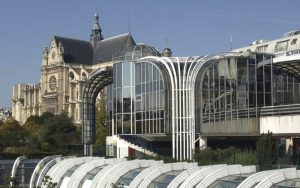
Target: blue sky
(189,27)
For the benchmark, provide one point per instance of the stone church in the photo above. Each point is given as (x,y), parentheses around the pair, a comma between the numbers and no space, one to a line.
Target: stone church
(66,64)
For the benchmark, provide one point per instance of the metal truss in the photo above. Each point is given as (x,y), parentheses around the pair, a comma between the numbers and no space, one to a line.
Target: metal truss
(95,83)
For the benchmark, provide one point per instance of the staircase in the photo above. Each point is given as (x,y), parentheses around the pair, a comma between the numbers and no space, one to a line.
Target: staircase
(137,144)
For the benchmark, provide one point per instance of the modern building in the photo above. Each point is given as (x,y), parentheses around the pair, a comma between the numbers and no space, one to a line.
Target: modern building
(160,104)
(180,102)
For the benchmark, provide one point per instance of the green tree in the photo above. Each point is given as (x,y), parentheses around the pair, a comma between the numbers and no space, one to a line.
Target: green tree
(12,134)
(57,132)
(99,146)
(266,150)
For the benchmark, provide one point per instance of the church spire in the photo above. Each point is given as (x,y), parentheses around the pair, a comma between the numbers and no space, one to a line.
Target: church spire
(96,34)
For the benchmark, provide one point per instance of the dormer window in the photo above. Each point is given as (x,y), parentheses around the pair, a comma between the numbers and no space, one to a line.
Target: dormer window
(72,77)
(294,41)
(281,46)
(261,49)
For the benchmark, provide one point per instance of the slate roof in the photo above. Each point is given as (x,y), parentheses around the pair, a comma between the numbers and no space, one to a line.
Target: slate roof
(76,51)
(82,52)
(112,48)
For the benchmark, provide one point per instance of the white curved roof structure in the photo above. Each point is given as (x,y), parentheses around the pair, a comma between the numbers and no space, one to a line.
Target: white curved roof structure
(110,175)
(180,166)
(220,173)
(126,168)
(16,164)
(273,46)
(199,175)
(78,176)
(139,178)
(58,170)
(96,172)
(45,169)
(269,177)
(38,169)
(183,176)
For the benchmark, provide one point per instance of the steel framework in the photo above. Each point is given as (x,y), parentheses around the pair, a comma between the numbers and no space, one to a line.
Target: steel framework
(95,83)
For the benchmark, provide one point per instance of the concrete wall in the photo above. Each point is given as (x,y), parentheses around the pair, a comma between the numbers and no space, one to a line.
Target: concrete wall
(280,124)
(231,127)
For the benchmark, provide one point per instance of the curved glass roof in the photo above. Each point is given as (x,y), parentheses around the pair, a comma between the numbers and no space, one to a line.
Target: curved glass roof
(288,183)
(231,181)
(91,174)
(165,179)
(139,51)
(127,178)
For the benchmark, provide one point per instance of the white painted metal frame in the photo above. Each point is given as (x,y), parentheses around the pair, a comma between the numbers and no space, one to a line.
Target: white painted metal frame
(39,168)
(118,173)
(98,177)
(230,170)
(15,167)
(199,175)
(183,132)
(84,169)
(57,177)
(183,176)
(260,176)
(172,75)
(277,177)
(141,176)
(16,164)
(45,170)
(107,177)
(183,98)
(164,169)
(59,169)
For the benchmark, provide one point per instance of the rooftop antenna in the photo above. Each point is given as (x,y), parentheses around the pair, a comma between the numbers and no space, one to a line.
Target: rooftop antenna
(231,43)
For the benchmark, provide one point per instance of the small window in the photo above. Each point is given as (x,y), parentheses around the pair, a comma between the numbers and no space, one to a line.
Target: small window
(261,49)
(72,77)
(293,41)
(281,46)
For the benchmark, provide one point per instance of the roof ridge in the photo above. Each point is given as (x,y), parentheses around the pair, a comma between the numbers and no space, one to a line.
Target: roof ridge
(110,38)
(80,40)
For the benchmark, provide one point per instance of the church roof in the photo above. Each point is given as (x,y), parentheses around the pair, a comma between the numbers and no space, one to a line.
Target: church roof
(76,51)
(112,48)
(82,52)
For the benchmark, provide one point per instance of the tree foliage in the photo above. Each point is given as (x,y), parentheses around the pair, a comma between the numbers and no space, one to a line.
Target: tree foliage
(267,152)
(99,146)
(12,134)
(59,131)
(45,133)
(230,155)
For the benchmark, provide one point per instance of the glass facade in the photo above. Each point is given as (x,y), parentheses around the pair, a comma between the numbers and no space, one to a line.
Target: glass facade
(236,88)
(232,181)
(164,179)
(127,178)
(136,100)
(225,94)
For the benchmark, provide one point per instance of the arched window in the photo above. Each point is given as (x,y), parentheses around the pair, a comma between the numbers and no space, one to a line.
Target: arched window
(72,77)
(83,76)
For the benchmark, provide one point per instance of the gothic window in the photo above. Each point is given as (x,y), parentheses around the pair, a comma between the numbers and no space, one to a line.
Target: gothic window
(83,76)
(72,76)
(52,83)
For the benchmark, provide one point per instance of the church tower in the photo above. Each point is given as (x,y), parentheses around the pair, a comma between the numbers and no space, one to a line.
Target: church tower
(96,34)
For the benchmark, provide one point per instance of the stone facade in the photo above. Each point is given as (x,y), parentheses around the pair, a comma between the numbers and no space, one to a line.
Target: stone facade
(66,64)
